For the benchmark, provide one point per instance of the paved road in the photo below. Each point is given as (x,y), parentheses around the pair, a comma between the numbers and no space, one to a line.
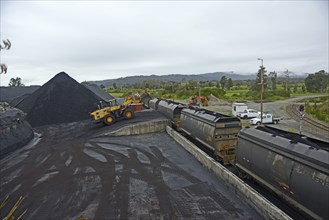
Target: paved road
(71,171)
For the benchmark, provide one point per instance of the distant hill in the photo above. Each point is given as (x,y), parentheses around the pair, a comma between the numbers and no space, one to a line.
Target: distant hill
(180,78)
(173,77)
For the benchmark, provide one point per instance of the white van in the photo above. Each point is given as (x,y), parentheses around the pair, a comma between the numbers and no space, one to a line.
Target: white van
(238,108)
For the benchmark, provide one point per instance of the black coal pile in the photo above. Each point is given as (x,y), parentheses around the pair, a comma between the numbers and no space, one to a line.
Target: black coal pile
(60,100)
(15,131)
(9,93)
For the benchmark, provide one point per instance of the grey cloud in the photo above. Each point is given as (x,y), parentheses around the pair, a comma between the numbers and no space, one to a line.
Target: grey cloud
(99,40)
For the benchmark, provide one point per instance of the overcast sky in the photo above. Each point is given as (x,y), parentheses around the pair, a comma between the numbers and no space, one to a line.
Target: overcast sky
(95,40)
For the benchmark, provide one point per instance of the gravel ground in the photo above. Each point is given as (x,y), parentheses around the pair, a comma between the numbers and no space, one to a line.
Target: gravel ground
(277,108)
(71,170)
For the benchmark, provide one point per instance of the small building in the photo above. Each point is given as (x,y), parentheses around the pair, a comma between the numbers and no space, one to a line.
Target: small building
(238,108)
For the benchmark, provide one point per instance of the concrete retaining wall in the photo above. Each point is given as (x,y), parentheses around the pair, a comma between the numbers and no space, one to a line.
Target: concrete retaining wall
(255,200)
(141,128)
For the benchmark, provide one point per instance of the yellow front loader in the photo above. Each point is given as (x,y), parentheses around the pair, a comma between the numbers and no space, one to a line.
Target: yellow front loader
(110,111)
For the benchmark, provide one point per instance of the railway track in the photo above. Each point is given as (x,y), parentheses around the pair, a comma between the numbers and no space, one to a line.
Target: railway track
(202,127)
(295,114)
(292,212)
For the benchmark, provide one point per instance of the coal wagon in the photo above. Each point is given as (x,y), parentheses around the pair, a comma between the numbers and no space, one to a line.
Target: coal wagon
(172,110)
(216,131)
(292,166)
(153,103)
(145,97)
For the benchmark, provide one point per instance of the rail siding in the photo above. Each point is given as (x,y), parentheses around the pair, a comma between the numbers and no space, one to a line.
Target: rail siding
(253,198)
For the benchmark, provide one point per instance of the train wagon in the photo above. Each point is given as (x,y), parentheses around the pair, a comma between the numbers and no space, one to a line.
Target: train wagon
(292,166)
(216,131)
(145,97)
(171,110)
(153,103)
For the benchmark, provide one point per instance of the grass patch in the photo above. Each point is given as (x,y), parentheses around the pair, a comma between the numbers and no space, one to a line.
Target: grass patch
(318,108)
(117,94)
(245,123)
(291,130)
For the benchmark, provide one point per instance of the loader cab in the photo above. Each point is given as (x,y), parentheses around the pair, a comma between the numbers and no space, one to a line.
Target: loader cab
(112,102)
(109,103)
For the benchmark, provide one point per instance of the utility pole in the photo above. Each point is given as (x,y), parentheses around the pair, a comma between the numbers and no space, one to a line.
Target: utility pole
(286,80)
(200,96)
(261,90)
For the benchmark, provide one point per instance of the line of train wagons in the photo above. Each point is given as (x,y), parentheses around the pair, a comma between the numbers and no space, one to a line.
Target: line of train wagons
(295,167)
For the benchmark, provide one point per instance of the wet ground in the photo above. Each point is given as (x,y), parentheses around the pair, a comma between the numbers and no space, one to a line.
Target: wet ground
(71,170)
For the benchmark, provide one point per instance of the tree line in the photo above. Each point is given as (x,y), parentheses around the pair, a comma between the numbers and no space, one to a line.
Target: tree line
(315,82)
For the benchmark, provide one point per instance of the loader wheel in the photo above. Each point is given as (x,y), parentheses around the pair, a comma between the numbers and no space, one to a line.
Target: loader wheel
(109,119)
(128,114)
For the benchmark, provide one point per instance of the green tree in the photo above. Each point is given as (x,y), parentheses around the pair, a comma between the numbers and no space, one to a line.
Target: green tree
(256,85)
(175,86)
(115,86)
(192,84)
(295,88)
(229,84)
(317,82)
(223,82)
(273,80)
(16,82)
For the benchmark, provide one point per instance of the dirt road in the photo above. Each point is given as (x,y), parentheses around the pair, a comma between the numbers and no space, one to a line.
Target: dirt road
(277,108)
(72,170)
(290,124)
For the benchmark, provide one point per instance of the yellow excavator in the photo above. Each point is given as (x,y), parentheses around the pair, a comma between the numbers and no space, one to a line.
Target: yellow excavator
(108,112)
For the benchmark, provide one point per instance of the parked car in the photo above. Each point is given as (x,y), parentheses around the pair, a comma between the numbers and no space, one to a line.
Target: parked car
(249,113)
(267,119)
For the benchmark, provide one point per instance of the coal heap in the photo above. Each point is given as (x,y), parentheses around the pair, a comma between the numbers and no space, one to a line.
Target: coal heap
(60,100)
(10,93)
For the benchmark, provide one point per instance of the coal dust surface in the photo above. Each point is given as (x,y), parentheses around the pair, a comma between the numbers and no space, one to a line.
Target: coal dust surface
(62,99)
(77,171)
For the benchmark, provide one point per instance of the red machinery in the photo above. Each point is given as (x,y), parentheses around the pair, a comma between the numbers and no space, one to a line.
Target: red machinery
(195,100)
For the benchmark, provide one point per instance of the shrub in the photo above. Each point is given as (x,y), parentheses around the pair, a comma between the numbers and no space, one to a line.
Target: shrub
(207,91)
